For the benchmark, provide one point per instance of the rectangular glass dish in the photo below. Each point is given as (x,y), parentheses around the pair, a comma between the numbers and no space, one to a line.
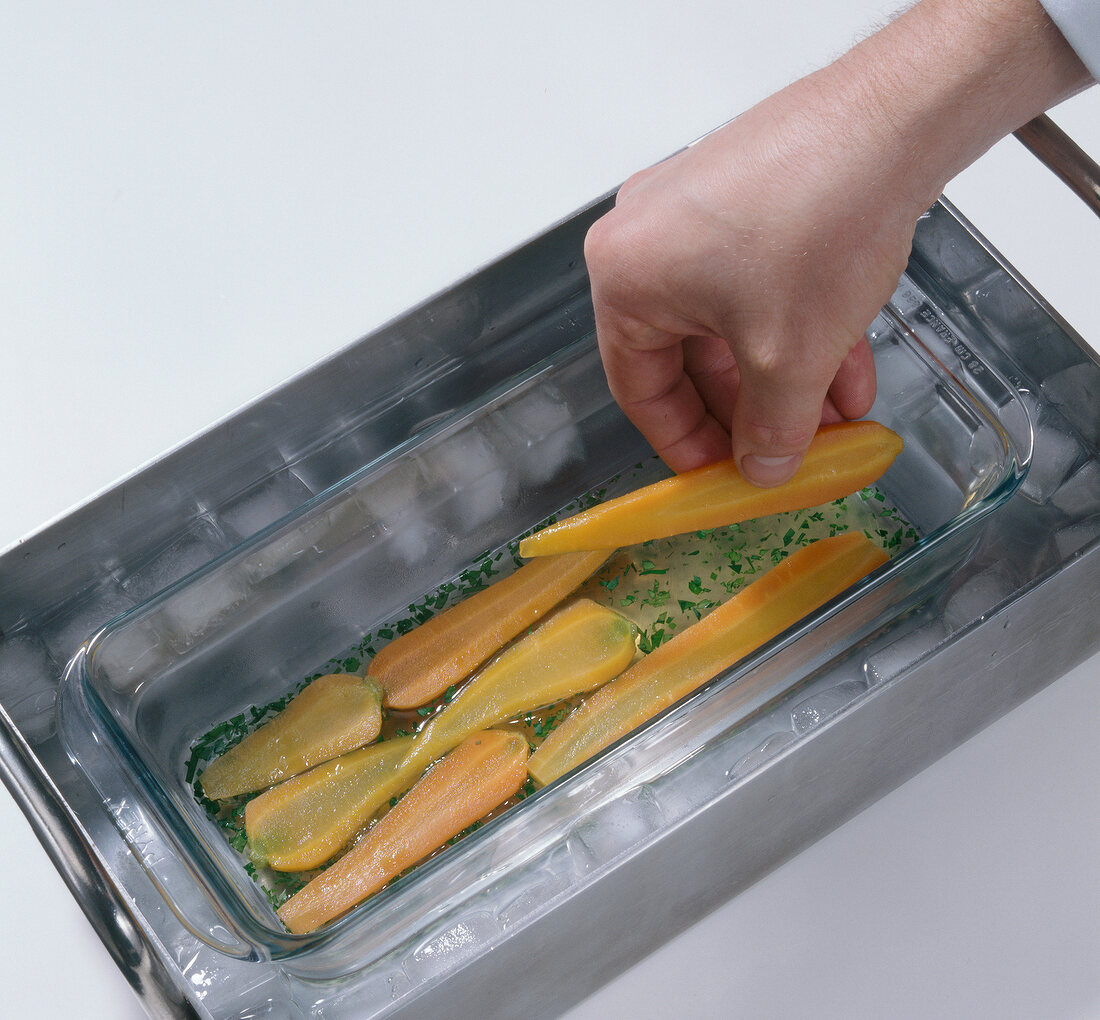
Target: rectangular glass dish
(243,629)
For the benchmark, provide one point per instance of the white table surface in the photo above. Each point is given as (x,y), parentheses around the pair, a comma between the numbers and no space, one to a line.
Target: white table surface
(201,200)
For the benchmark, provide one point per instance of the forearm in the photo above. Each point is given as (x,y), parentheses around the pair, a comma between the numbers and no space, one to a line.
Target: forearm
(732,283)
(949,78)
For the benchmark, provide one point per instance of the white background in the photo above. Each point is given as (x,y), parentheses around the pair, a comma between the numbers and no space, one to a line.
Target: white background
(201,200)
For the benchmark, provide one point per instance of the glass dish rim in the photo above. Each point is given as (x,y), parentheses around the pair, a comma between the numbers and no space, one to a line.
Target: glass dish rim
(280,944)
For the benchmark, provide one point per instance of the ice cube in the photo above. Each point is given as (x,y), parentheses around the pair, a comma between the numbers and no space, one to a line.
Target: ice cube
(1055,455)
(538,890)
(959,263)
(1079,495)
(263,504)
(279,551)
(767,749)
(193,611)
(899,655)
(1021,539)
(986,450)
(1004,302)
(1076,389)
(340,523)
(401,500)
(239,993)
(25,664)
(448,949)
(342,452)
(1074,537)
(683,790)
(72,625)
(383,982)
(189,552)
(28,684)
(387,493)
(976,598)
(906,386)
(415,539)
(321,530)
(470,465)
(621,825)
(821,705)
(35,717)
(129,654)
(540,424)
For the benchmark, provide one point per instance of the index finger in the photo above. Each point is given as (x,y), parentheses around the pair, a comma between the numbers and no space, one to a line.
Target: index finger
(646,374)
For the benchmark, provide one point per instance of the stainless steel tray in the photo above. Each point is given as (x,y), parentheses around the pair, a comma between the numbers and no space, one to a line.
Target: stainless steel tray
(959,654)
(245,629)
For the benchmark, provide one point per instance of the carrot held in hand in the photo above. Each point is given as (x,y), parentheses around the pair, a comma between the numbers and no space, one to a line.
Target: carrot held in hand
(445,649)
(842,459)
(301,823)
(334,714)
(580,647)
(799,584)
(481,773)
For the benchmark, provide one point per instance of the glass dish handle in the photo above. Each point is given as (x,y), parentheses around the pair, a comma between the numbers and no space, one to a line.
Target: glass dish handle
(1064,157)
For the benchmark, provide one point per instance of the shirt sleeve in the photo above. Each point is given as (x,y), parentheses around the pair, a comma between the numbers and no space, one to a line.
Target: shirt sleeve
(1079,22)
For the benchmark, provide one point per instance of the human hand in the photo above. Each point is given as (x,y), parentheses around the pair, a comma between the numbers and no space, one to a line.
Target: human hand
(732,285)
(733,282)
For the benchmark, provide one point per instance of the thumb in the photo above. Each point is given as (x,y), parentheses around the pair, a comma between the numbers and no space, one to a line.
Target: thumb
(775,416)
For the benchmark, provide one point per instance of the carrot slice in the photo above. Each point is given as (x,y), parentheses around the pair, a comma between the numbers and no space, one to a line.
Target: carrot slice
(334,714)
(580,647)
(301,823)
(842,459)
(482,772)
(801,583)
(444,650)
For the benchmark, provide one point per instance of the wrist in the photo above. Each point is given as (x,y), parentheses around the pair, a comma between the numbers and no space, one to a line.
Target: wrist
(949,78)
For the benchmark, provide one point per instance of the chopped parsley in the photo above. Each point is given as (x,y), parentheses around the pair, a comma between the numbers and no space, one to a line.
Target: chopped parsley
(663,585)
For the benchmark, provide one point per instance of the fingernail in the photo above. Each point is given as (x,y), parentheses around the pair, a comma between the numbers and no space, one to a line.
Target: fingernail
(768,471)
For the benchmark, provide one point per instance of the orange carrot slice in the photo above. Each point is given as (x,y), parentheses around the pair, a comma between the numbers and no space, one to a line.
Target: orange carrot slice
(334,714)
(842,459)
(799,584)
(445,649)
(474,778)
(576,649)
(301,823)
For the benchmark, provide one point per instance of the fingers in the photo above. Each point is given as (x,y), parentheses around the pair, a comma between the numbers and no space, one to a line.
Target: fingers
(776,415)
(853,388)
(712,368)
(695,402)
(780,405)
(710,344)
(642,343)
(655,392)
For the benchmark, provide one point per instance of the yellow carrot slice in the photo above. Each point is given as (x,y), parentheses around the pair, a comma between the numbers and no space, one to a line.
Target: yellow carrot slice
(842,459)
(447,648)
(334,714)
(301,823)
(481,773)
(801,583)
(580,647)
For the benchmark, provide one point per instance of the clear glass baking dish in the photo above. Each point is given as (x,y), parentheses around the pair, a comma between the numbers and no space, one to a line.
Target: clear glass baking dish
(246,627)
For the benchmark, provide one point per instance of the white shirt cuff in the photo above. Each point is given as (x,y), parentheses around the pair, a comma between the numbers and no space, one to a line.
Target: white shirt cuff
(1079,22)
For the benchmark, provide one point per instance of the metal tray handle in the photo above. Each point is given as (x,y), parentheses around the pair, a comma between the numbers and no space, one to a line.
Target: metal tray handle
(1064,157)
(70,850)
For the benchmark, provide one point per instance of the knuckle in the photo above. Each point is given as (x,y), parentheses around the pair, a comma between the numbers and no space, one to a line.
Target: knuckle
(780,437)
(597,242)
(606,247)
